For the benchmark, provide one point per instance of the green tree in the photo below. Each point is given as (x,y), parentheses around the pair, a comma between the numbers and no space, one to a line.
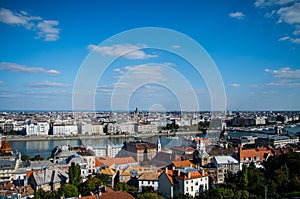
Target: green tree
(37,158)
(89,186)
(25,157)
(74,174)
(68,190)
(148,196)
(105,179)
(244,177)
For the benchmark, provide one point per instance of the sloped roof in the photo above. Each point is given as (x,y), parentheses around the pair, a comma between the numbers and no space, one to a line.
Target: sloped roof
(254,153)
(107,161)
(184,163)
(49,176)
(149,176)
(108,171)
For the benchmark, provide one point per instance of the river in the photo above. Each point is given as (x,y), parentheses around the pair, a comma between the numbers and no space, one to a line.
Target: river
(44,147)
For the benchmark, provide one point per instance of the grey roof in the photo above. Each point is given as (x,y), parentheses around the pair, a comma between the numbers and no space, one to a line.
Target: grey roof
(225,160)
(64,154)
(49,176)
(6,164)
(40,164)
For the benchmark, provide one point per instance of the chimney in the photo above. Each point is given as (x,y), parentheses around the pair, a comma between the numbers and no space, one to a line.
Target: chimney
(166,169)
(189,175)
(178,172)
(173,168)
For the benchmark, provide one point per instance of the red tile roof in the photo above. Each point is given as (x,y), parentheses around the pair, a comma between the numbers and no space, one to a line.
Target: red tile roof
(184,163)
(107,161)
(262,153)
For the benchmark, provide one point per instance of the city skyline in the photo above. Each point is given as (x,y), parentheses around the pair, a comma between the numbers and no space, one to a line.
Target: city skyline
(254,44)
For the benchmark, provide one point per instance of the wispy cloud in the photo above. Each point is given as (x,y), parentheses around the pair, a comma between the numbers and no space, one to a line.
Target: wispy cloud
(175,46)
(1,83)
(235,85)
(284,38)
(46,84)
(169,64)
(266,3)
(45,29)
(13,67)
(285,77)
(128,51)
(237,15)
(286,11)
(48,30)
(285,73)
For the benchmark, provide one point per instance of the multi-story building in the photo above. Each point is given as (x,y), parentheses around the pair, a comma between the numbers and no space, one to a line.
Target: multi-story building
(184,180)
(65,129)
(146,128)
(37,128)
(275,140)
(225,165)
(148,179)
(107,150)
(257,156)
(9,163)
(127,128)
(140,150)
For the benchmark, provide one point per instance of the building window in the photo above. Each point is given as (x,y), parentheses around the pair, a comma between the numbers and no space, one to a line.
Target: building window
(187,189)
(192,188)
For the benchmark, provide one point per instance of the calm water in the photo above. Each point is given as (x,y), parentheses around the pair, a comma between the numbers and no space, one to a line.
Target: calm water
(45,147)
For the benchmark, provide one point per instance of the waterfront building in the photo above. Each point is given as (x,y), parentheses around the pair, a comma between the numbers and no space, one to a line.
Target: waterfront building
(127,128)
(276,140)
(107,150)
(146,128)
(37,128)
(97,129)
(64,129)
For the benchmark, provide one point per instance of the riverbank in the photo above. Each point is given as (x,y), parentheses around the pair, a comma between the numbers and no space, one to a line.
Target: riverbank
(76,137)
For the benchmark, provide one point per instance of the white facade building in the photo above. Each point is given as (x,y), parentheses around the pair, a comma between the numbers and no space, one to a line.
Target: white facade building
(64,129)
(39,128)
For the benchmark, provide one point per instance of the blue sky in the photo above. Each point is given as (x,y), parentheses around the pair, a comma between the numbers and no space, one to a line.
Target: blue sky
(254,44)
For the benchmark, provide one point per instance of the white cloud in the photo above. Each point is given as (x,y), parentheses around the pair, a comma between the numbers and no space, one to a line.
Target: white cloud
(285,77)
(290,15)
(234,85)
(132,51)
(45,84)
(266,3)
(296,41)
(48,30)
(175,46)
(237,15)
(142,71)
(285,73)
(284,84)
(169,64)
(1,83)
(13,67)
(284,38)
(45,29)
